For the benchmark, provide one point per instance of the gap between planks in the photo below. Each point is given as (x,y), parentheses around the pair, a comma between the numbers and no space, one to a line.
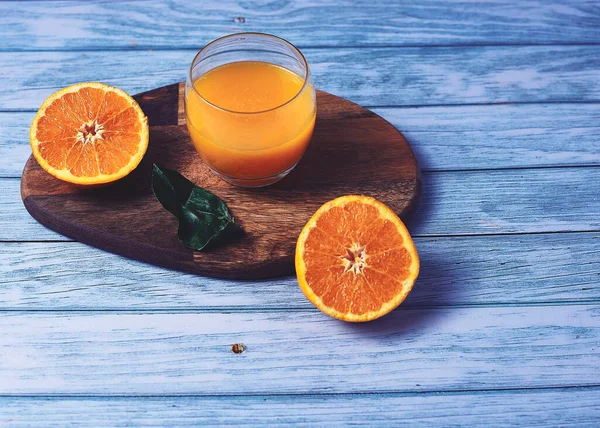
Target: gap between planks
(449,392)
(416,237)
(224,310)
(451,171)
(407,106)
(157,48)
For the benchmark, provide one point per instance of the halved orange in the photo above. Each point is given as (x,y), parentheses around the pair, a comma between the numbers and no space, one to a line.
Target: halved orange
(89,133)
(355,260)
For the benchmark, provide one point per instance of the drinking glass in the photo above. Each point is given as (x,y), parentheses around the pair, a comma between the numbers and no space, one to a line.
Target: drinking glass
(250,107)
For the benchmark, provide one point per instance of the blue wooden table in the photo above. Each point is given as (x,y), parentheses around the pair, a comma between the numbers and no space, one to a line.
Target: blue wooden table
(501,102)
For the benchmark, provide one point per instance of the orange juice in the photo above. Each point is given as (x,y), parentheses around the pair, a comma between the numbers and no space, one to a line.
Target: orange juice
(251,120)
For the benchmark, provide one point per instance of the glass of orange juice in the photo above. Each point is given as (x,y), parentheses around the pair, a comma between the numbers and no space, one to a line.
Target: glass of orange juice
(250,107)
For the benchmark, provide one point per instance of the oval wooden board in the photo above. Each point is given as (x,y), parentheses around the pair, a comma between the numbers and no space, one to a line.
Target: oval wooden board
(353,151)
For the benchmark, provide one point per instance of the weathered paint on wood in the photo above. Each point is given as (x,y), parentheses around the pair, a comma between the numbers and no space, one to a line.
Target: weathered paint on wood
(452,203)
(370,77)
(444,138)
(509,201)
(500,136)
(302,350)
(514,270)
(177,24)
(549,408)
(10,219)
(299,352)
(14,143)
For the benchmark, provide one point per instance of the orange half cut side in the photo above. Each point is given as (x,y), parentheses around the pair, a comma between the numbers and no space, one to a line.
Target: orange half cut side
(355,259)
(89,133)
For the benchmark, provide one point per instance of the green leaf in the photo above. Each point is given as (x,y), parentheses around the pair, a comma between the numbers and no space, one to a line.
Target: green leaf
(202,215)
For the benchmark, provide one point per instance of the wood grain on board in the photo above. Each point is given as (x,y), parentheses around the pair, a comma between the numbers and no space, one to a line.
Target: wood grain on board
(353,151)
(370,77)
(299,352)
(549,268)
(577,406)
(176,24)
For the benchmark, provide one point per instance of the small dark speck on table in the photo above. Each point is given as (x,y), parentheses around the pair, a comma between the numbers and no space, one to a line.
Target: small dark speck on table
(238,348)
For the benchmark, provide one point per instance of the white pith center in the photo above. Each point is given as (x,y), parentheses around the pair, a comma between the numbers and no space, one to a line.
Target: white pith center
(90,132)
(355,260)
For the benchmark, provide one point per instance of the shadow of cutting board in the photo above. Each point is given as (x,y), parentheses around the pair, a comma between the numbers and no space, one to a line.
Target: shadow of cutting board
(353,151)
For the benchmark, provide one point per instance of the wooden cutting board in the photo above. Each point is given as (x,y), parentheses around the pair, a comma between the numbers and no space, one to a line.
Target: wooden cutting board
(353,151)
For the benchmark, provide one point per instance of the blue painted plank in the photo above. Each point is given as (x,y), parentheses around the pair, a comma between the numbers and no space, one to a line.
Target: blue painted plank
(176,24)
(299,352)
(500,136)
(412,350)
(10,219)
(452,203)
(509,201)
(444,138)
(498,270)
(371,77)
(560,407)
(14,142)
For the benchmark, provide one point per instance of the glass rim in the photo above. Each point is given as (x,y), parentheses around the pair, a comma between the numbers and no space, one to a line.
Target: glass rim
(281,39)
